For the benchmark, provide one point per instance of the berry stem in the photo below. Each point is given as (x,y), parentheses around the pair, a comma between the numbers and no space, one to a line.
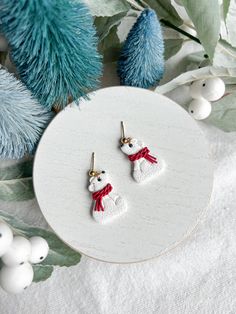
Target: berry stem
(170,25)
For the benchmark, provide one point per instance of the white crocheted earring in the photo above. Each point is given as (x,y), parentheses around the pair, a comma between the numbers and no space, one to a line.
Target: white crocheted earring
(144,165)
(106,204)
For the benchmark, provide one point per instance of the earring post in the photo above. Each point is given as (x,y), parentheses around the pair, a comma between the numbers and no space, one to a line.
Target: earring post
(92,165)
(93,161)
(122,130)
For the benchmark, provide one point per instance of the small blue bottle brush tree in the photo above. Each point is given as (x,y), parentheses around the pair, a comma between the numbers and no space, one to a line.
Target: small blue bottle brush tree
(141,62)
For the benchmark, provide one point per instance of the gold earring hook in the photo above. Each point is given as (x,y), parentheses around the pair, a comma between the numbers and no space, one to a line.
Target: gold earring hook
(123,139)
(122,130)
(92,172)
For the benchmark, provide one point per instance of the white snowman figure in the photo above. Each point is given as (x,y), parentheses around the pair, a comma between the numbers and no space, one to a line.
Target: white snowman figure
(107,205)
(145,166)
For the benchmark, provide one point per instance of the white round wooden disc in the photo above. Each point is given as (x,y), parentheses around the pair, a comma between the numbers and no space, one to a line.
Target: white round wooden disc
(160,212)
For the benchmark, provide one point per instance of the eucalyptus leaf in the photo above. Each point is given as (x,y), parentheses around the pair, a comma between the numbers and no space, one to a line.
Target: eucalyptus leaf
(165,10)
(16,190)
(196,60)
(19,170)
(105,24)
(225,55)
(205,15)
(135,4)
(16,182)
(60,254)
(198,74)
(172,46)
(223,113)
(42,272)
(110,46)
(107,7)
(226,4)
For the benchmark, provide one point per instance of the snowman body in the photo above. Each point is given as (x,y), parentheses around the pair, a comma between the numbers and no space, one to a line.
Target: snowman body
(112,204)
(143,168)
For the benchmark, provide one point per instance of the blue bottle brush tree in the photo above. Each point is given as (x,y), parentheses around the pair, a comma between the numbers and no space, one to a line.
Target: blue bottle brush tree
(54,47)
(141,62)
(22,118)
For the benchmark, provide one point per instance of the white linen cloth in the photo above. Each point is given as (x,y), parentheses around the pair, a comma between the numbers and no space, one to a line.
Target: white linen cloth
(199,276)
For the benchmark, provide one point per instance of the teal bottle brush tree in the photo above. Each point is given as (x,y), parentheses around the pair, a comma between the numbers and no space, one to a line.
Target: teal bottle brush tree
(22,118)
(54,48)
(141,62)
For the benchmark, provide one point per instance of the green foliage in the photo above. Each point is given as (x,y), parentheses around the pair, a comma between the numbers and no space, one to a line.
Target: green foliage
(205,15)
(20,170)
(226,4)
(110,46)
(165,10)
(223,113)
(16,182)
(172,46)
(16,190)
(229,11)
(42,272)
(107,7)
(105,24)
(225,55)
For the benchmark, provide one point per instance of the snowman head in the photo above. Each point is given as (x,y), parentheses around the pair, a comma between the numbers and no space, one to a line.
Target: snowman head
(131,146)
(98,182)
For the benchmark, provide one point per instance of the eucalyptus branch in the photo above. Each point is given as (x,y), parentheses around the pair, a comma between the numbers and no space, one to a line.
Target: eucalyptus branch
(143,3)
(170,25)
(135,5)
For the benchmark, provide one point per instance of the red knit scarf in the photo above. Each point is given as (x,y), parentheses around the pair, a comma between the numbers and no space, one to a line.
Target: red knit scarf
(97,196)
(143,153)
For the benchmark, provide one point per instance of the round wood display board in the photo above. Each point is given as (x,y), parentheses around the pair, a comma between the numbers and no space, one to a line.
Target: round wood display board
(161,212)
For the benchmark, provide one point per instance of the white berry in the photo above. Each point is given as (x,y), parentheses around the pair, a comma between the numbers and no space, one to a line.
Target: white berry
(199,109)
(16,279)
(18,253)
(39,249)
(6,237)
(213,89)
(195,89)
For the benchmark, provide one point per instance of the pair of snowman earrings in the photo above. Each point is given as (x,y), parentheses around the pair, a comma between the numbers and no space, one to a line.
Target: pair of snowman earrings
(108,205)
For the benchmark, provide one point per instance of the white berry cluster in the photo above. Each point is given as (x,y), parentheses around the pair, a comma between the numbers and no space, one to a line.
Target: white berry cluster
(17,254)
(202,92)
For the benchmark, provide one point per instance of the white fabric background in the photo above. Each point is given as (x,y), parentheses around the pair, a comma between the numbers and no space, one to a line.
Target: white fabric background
(199,276)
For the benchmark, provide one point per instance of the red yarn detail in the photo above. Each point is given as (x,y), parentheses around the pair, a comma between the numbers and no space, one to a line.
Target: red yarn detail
(143,153)
(97,196)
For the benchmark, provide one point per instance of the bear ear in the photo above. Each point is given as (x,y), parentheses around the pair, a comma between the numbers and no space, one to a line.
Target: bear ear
(134,141)
(140,143)
(91,187)
(91,179)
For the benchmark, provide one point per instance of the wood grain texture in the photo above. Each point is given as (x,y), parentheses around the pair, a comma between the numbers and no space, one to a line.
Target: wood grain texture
(160,212)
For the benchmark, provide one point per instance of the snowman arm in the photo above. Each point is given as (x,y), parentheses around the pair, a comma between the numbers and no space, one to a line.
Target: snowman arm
(113,196)
(142,164)
(136,165)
